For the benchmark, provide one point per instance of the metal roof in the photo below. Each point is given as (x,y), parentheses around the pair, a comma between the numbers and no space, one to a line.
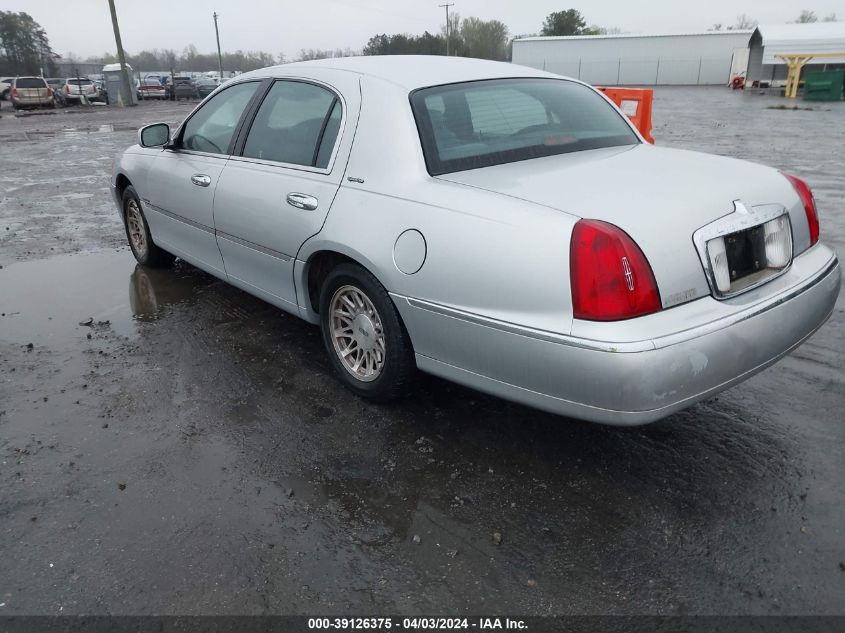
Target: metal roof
(816,37)
(116,66)
(536,38)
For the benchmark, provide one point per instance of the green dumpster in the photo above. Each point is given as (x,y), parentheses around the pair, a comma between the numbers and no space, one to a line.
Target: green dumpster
(824,85)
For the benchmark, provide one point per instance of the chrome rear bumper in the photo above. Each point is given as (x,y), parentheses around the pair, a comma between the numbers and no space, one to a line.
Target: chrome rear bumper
(710,346)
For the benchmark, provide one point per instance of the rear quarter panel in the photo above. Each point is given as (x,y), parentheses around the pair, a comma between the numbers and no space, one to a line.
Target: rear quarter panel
(486,253)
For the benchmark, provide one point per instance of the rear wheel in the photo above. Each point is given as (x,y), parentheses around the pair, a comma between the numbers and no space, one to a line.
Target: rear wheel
(138,233)
(364,335)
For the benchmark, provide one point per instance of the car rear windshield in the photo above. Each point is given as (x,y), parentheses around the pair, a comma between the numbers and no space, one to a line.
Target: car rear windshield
(80,82)
(491,122)
(30,82)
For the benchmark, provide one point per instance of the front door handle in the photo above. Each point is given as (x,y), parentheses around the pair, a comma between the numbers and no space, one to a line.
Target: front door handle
(201,180)
(302,201)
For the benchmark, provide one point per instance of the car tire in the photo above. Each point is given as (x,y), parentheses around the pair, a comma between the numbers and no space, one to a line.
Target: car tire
(146,252)
(371,333)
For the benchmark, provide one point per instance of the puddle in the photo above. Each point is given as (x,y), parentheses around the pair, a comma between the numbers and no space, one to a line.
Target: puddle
(44,301)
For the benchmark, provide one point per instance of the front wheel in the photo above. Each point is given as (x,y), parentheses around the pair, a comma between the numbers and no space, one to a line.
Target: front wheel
(138,233)
(364,335)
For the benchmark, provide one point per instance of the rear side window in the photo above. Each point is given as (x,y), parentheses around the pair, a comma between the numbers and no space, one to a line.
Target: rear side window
(297,123)
(482,123)
(30,82)
(211,128)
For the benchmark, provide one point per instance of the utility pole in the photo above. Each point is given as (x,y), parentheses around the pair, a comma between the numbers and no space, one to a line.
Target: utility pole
(125,96)
(447,5)
(219,55)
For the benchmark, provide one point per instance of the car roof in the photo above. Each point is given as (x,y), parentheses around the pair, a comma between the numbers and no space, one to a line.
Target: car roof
(410,71)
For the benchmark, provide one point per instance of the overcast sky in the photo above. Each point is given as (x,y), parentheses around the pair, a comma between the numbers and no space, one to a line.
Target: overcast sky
(276,26)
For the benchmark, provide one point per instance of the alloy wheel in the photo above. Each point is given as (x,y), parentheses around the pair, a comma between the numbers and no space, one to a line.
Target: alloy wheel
(357,333)
(136,228)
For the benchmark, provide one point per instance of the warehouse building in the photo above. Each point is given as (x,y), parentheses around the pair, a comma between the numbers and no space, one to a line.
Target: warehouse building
(706,58)
(770,44)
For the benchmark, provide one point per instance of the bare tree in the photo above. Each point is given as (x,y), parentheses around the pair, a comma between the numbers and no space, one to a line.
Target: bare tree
(743,22)
(807,17)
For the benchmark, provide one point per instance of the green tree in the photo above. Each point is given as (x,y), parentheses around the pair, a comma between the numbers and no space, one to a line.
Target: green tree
(24,46)
(568,22)
(404,44)
(484,39)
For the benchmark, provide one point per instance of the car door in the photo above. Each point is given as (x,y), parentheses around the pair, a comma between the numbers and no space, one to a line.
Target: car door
(276,191)
(179,196)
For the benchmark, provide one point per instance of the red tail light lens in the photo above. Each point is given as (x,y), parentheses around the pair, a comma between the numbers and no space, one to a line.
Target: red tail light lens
(809,203)
(49,92)
(14,92)
(610,277)
(67,89)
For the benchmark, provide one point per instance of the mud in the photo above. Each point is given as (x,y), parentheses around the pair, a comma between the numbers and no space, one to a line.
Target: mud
(169,444)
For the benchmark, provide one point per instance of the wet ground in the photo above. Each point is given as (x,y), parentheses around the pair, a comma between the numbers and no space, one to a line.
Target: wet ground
(169,444)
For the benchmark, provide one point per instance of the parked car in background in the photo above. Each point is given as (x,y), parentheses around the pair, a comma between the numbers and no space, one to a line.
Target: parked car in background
(101,91)
(5,86)
(499,226)
(76,87)
(57,84)
(31,92)
(183,88)
(152,89)
(206,86)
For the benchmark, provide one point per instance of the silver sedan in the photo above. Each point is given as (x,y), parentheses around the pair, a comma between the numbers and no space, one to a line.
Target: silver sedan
(502,227)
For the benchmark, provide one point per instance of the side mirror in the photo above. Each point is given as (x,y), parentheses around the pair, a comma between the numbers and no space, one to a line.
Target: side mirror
(155,135)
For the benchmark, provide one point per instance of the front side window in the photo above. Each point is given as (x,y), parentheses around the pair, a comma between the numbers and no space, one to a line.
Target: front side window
(482,123)
(211,128)
(297,123)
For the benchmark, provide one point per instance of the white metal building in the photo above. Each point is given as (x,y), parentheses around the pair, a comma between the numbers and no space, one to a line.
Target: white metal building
(674,59)
(770,40)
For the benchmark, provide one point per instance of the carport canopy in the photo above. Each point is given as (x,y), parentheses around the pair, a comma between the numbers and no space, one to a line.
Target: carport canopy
(825,39)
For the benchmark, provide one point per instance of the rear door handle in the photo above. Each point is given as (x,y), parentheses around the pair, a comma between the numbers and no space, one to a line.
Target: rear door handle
(201,180)
(302,201)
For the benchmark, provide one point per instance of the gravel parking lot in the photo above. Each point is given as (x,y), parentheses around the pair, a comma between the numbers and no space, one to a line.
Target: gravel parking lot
(171,445)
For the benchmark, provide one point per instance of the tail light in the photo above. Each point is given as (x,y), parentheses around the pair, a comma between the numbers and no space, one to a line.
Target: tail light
(610,277)
(14,92)
(67,89)
(49,91)
(809,203)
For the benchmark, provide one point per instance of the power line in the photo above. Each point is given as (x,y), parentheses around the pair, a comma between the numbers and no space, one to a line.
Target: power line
(447,5)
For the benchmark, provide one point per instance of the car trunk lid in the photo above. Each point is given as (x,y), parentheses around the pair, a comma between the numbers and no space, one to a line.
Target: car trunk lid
(659,196)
